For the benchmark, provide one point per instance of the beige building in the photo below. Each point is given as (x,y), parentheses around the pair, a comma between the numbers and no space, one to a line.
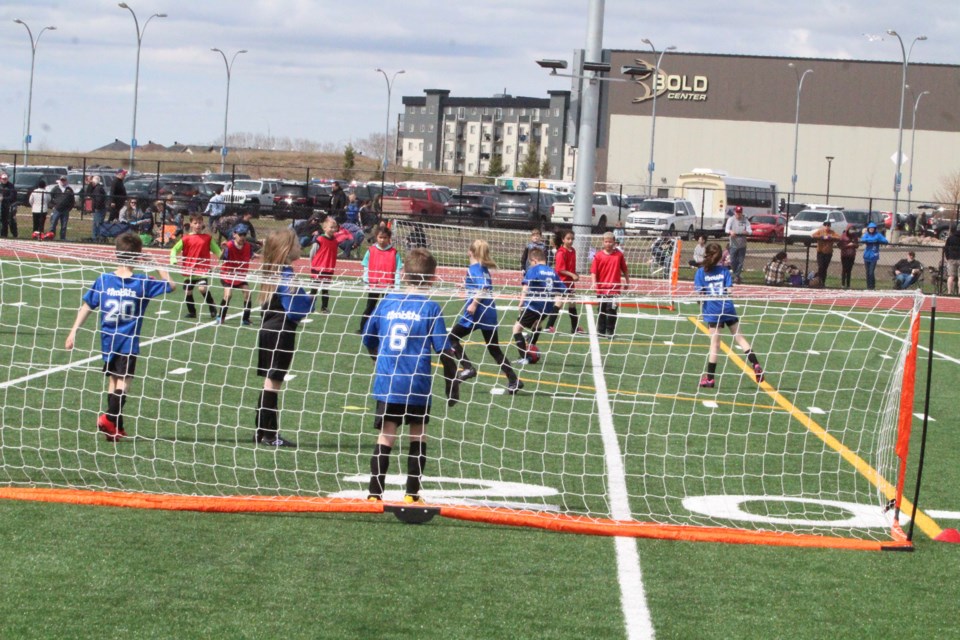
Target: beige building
(737,114)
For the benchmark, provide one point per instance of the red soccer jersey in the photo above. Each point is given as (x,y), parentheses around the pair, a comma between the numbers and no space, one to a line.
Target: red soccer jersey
(324,261)
(609,269)
(196,253)
(236,263)
(565,260)
(382,266)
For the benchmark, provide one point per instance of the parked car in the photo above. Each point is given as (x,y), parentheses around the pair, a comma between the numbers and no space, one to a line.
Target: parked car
(26,181)
(633,202)
(524,209)
(251,195)
(767,227)
(421,204)
(144,188)
(484,189)
(224,177)
(860,218)
(656,215)
(801,226)
(888,220)
(471,209)
(186,197)
(298,200)
(606,210)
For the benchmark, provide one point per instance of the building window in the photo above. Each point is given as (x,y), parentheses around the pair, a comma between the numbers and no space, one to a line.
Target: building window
(423,109)
(474,112)
(473,129)
(553,151)
(430,127)
(510,113)
(523,112)
(430,148)
(420,146)
(509,130)
(506,169)
(410,146)
(470,168)
(556,112)
(536,114)
(423,128)
(472,148)
(461,113)
(412,128)
(432,111)
(449,111)
(498,114)
(429,165)
(556,131)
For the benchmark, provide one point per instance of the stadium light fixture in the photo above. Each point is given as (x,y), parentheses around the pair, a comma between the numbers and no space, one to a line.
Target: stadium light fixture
(226,110)
(33,58)
(597,67)
(796,127)
(136,80)
(653,112)
(553,65)
(913,157)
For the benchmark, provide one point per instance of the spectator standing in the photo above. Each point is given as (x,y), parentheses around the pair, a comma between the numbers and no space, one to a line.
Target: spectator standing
(8,207)
(738,229)
(871,253)
(907,271)
(353,209)
(62,201)
(215,209)
(775,273)
(118,195)
(39,205)
(338,201)
(848,243)
(825,237)
(951,253)
(96,195)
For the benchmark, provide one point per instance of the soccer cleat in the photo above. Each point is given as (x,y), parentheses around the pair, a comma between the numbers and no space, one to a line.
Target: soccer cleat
(707,383)
(325,311)
(49,235)
(758,372)
(246,323)
(373,498)
(514,386)
(276,441)
(579,331)
(36,235)
(521,362)
(107,426)
(219,320)
(190,316)
(409,499)
(466,374)
(551,329)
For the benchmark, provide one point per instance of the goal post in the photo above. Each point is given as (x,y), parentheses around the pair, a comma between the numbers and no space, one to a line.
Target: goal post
(609,435)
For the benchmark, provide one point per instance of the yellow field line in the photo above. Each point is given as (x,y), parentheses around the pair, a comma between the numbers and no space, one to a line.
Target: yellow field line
(925,522)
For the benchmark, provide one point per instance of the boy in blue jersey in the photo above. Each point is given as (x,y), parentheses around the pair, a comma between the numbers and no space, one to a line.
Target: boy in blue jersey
(714,280)
(400,335)
(541,285)
(122,298)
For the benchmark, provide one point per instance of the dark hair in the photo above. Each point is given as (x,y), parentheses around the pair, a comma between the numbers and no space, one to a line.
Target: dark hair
(712,256)
(419,267)
(781,256)
(129,246)
(41,184)
(559,234)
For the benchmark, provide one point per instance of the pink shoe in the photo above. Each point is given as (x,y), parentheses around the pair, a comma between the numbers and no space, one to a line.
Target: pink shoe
(707,383)
(758,371)
(551,329)
(106,425)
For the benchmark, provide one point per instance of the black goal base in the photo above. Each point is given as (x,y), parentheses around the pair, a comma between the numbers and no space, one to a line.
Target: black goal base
(410,514)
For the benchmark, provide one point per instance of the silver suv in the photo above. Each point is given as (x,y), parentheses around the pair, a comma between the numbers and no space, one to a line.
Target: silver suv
(656,215)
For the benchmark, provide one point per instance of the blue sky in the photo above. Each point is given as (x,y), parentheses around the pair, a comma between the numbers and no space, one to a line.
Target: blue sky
(309,71)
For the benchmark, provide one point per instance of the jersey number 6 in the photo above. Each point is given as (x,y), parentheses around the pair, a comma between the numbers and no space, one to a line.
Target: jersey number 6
(398,336)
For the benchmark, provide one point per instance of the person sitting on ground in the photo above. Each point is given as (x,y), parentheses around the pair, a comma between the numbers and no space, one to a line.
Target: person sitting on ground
(775,273)
(907,271)
(699,251)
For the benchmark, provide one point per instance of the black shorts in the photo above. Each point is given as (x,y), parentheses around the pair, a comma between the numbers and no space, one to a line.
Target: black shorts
(530,318)
(275,352)
(195,281)
(234,285)
(121,365)
(724,322)
(400,413)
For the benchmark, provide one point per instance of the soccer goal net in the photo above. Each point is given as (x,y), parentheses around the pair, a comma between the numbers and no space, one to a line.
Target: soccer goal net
(609,434)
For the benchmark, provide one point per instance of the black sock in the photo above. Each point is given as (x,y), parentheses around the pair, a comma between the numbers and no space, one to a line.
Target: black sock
(752,357)
(324,299)
(521,343)
(574,319)
(208,298)
(552,319)
(711,369)
(123,403)
(223,311)
(536,336)
(114,406)
(267,426)
(191,307)
(379,463)
(416,461)
(246,311)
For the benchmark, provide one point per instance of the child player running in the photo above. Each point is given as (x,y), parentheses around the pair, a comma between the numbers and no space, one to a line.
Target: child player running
(540,285)
(400,335)
(323,259)
(480,312)
(122,298)
(197,248)
(236,257)
(565,264)
(381,270)
(285,304)
(715,281)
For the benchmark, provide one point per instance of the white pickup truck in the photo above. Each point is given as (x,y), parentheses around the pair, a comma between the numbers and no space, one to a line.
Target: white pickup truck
(607,210)
(251,195)
(656,215)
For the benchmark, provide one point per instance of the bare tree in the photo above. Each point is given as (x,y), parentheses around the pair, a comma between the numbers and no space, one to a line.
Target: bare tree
(949,192)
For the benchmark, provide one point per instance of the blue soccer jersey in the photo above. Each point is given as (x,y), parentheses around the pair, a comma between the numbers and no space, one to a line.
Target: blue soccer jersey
(403,330)
(295,301)
(122,303)
(542,284)
(479,286)
(716,284)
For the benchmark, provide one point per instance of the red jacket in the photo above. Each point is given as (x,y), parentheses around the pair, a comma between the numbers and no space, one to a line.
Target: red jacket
(565,260)
(609,269)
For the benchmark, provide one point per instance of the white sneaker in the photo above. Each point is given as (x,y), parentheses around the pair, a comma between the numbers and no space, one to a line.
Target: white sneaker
(521,362)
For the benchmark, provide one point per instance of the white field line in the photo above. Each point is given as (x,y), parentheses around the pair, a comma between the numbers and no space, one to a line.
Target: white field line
(896,337)
(99,357)
(633,599)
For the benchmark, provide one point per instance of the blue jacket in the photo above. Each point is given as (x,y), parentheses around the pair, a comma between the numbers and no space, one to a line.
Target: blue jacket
(872,242)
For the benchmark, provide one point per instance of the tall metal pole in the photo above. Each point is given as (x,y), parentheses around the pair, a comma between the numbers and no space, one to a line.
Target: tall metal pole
(136,78)
(587,139)
(653,113)
(33,58)
(913,158)
(898,176)
(829,166)
(796,129)
(226,109)
(386,132)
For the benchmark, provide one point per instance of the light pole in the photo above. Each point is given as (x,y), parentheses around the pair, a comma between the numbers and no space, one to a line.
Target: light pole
(913,139)
(796,129)
(136,79)
(226,109)
(898,176)
(653,113)
(33,58)
(386,131)
(829,165)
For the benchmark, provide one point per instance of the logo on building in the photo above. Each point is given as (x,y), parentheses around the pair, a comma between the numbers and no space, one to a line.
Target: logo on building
(677,87)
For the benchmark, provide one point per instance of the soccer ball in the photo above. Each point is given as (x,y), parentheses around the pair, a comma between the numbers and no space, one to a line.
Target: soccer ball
(533,354)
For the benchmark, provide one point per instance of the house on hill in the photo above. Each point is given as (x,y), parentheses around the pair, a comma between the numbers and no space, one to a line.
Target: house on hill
(116,146)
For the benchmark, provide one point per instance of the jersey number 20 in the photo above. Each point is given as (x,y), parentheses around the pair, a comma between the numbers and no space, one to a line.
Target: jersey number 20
(117,310)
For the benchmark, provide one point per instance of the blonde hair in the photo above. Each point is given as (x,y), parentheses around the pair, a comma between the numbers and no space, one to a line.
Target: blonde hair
(279,250)
(481,251)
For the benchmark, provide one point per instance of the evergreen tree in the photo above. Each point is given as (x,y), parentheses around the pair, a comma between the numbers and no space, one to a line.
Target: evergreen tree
(545,169)
(496,166)
(531,163)
(349,161)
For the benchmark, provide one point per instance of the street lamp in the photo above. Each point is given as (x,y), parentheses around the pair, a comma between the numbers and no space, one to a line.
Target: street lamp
(33,58)
(653,116)
(136,80)
(386,131)
(226,109)
(913,159)
(829,165)
(898,177)
(796,128)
